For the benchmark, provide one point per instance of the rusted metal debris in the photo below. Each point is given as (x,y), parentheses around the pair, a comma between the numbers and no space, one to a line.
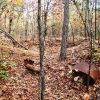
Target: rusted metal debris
(28,61)
(29,65)
(82,69)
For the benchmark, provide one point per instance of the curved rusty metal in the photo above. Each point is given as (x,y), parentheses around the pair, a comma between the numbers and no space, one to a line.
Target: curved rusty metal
(84,67)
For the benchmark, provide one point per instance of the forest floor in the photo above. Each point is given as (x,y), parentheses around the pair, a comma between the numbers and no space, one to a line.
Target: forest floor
(22,85)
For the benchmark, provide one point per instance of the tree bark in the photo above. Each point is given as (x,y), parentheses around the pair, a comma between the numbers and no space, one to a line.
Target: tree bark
(84,23)
(10,24)
(45,17)
(26,30)
(41,50)
(65,30)
(95,18)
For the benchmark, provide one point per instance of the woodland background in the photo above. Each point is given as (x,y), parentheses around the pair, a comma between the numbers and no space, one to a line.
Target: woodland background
(40,41)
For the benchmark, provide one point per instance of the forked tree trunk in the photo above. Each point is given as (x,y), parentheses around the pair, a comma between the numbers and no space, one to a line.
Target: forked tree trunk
(65,30)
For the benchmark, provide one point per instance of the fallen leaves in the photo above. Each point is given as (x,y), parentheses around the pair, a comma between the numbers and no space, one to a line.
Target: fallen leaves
(59,86)
(86,96)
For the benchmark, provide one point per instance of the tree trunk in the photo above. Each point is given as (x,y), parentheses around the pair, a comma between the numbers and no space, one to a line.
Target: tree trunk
(26,30)
(33,26)
(41,50)
(84,23)
(10,24)
(95,18)
(73,37)
(45,17)
(85,31)
(5,20)
(88,17)
(65,30)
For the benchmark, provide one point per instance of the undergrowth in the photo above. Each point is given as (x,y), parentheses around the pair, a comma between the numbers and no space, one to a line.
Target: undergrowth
(5,64)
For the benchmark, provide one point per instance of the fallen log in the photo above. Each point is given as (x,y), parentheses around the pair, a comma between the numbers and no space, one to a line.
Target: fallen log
(19,51)
(12,39)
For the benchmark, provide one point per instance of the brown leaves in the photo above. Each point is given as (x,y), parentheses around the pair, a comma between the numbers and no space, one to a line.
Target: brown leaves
(59,84)
(86,96)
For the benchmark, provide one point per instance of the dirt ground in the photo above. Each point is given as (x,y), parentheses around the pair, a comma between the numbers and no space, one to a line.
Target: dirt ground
(23,85)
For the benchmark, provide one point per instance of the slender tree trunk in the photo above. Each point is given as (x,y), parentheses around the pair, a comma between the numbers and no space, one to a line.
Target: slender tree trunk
(45,23)
(41,50)
(95,18)
(73,37)
(84,23)
(5,20)
(65,30)
(26,30)
(88,17)
(53,26)
(10,24)
(33,26)
(85,20)
(85,27)
(45,17)
(32,30)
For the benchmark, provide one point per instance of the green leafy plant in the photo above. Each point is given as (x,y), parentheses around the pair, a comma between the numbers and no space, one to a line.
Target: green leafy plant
(3,74)
(5,64)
